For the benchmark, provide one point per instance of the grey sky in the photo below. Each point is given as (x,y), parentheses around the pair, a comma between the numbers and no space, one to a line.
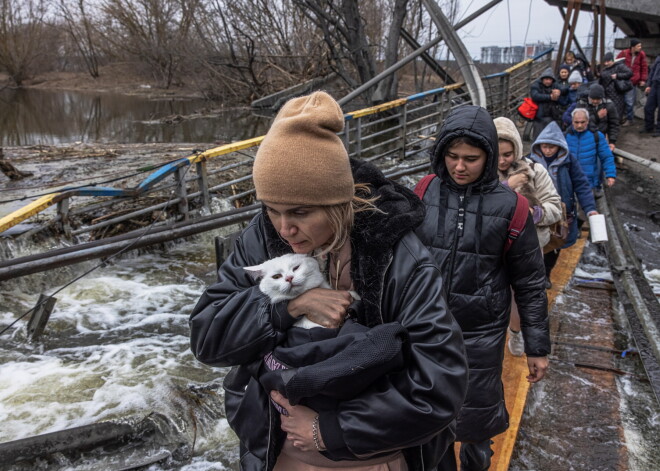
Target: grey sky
(545,23)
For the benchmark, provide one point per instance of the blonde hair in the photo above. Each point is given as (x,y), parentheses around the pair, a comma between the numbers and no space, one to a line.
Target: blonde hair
(342,216)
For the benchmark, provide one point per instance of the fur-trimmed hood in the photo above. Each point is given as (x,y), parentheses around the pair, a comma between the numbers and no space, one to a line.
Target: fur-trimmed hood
(373,236)
(508,131)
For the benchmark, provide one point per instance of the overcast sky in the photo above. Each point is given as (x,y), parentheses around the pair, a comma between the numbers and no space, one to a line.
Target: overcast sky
(545,23)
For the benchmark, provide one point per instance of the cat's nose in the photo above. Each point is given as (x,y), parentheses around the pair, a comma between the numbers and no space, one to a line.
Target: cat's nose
(289,279)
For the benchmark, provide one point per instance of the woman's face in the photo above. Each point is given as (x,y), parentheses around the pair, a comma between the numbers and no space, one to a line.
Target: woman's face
(303,227)
(563,74)
(507,156)
(465,163)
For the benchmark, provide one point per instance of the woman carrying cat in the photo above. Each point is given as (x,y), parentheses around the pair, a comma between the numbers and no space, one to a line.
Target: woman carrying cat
(533,182)
(358,224)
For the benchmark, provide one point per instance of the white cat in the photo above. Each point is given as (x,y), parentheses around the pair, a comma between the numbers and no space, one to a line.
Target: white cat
(288,277)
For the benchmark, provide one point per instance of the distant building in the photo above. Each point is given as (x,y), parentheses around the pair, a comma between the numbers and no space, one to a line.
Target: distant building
(514,54)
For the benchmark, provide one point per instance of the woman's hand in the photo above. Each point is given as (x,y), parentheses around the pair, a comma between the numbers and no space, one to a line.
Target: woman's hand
(327,307)
(298,424)
(518,180)
(537,368)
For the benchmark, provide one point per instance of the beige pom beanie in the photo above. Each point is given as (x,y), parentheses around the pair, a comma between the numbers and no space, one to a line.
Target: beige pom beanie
(302,160)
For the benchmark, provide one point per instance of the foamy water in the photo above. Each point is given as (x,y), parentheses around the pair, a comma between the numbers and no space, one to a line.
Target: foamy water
(116,347)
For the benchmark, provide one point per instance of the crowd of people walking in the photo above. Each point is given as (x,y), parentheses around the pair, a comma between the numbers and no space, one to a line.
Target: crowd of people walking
(609,94)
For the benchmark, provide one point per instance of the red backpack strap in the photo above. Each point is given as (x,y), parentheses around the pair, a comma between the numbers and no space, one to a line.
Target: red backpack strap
(422,185)
(518,221)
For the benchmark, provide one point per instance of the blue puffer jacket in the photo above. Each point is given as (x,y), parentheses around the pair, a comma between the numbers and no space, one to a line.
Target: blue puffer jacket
(593,154)
(567,175)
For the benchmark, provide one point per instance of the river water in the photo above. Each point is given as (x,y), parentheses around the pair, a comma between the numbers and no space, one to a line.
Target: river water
(117,347)
(32,117)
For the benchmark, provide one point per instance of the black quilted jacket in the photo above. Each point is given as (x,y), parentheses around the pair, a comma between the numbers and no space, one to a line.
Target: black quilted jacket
(398,281)
(478,275)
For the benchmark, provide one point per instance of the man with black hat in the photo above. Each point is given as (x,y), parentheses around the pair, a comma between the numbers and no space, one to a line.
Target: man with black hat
(615,79)
(635,59)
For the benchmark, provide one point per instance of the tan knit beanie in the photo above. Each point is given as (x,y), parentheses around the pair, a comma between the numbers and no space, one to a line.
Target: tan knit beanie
(302,160)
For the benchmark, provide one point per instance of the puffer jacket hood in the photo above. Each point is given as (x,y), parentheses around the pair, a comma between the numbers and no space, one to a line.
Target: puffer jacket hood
(474,122)
(551,134)
(508,131)
(548,73)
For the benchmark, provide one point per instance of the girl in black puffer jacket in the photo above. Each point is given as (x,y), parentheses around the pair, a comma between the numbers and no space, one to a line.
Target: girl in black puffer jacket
(466,228)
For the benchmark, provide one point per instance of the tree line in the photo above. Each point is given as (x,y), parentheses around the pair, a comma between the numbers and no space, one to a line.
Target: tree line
(232,50)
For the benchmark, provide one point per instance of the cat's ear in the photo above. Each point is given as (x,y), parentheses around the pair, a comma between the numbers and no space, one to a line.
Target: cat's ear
(255,271)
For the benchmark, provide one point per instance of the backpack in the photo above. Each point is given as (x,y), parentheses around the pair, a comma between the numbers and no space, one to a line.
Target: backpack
(518,220)
(528,109)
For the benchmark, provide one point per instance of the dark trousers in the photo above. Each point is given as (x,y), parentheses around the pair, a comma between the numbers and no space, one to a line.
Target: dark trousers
(473,456)
(651,108)
(550,260)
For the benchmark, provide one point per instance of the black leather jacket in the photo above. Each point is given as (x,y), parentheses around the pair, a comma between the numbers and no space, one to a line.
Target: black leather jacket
(478,274)
(234,324)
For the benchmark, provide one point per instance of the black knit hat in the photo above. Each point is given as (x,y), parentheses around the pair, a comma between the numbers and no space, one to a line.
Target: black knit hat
(634,42)
(608,57)
(596,91)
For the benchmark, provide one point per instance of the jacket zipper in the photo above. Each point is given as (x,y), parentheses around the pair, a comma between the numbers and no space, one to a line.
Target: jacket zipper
(460,226)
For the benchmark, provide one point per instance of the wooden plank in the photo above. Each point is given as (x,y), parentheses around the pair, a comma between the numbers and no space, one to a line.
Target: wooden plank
(515,370)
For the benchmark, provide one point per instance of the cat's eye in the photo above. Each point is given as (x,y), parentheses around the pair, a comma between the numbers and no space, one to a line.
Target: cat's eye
(276,277)
(296,267)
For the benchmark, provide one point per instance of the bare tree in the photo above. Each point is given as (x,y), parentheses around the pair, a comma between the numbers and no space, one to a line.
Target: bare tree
(344,29)
(79,27)
(250,55)
(153,31)
(22,33)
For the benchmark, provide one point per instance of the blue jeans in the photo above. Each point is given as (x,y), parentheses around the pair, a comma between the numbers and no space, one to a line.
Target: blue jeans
(630,97)
(651,107)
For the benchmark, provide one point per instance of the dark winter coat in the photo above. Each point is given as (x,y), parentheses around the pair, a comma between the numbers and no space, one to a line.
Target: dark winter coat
(466,228)
(548,108)
(622,73)
(654,73)
(234,324)
(568,177)
(609,125)
(593,153)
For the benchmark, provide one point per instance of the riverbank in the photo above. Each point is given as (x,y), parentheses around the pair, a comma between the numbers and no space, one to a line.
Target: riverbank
(122,77)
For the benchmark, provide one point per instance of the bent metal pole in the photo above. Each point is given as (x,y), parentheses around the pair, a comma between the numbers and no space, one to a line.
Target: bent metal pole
(465,62)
